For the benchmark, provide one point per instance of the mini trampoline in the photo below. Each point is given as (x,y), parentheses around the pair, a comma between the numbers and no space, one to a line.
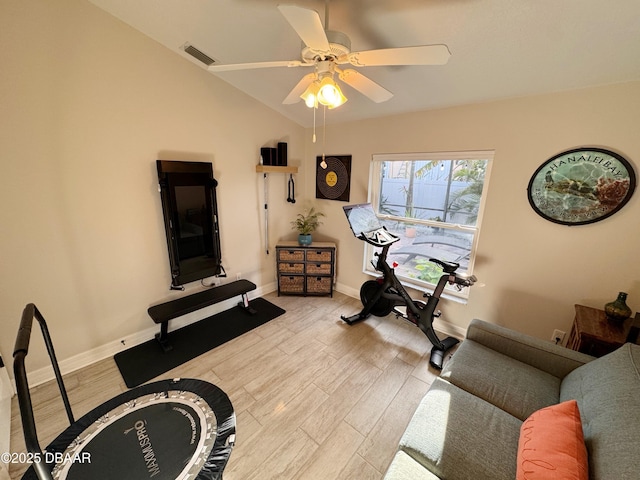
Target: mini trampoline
(165,430)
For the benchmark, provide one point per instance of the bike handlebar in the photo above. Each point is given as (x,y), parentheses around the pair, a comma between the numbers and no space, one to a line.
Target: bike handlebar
(379,238)
(448,268)
(464,281)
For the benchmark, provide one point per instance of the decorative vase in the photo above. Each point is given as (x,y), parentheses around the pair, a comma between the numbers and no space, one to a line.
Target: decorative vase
(618,311)
(306,240)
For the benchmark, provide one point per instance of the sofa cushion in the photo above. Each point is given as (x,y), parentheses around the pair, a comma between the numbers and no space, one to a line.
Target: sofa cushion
(513,386)
(551,445)
(404,467)
(608,394)
(541,354)
(458,436)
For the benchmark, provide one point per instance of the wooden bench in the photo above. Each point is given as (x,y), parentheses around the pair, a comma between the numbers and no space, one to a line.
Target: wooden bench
(164,312)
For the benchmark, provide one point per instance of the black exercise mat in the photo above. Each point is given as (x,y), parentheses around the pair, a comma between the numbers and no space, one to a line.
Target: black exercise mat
(143,362)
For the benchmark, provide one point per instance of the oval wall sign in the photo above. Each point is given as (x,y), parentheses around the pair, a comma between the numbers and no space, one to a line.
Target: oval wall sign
(581,186)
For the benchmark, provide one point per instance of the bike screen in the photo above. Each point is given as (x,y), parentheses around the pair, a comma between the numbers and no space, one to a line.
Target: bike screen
(362,219)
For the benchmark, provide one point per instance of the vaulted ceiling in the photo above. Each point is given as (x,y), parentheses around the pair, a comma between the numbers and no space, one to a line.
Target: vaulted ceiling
(499,48)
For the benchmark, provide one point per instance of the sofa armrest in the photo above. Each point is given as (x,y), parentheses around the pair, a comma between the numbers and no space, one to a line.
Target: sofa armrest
(546,356)
(634,331)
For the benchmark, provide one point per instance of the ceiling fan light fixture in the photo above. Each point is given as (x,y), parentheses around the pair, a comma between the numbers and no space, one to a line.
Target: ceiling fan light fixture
(310,95)
(329,93)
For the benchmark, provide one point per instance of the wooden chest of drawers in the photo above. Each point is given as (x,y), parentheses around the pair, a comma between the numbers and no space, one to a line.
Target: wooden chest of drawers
(305,270)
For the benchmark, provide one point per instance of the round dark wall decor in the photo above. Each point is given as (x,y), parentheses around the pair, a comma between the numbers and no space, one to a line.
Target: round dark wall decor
(581,186)
(333,177)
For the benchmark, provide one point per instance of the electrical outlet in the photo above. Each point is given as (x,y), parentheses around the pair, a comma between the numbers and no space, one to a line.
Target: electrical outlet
(558,337)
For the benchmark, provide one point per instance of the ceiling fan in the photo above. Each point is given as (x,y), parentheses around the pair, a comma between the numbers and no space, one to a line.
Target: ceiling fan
(326,50)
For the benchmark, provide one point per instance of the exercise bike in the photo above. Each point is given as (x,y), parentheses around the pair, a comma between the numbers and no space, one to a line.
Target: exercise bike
(386,294)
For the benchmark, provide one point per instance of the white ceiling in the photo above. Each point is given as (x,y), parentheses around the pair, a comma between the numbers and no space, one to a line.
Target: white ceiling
(500,48)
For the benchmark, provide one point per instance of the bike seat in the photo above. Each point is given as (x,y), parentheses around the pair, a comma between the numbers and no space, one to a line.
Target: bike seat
(447,267)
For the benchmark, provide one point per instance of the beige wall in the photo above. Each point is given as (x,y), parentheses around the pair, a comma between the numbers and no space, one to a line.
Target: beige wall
(534,271)
(88,105)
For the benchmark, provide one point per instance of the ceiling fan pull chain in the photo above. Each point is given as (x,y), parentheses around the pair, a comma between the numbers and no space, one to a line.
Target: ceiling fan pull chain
(324,131)
(323,164)
(314,124)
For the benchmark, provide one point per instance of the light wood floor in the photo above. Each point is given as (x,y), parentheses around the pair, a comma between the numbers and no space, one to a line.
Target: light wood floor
(314,398)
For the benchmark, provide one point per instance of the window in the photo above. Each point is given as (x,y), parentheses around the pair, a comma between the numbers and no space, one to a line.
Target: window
(433,202)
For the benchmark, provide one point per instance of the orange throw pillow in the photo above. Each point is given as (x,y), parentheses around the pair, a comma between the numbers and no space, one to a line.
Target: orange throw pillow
(552,445)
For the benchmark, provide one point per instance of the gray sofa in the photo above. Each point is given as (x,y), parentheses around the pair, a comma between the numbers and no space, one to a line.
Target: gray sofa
(468,424)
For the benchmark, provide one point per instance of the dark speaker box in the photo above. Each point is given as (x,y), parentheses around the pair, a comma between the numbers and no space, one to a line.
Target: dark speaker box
(268,156)
(282,154)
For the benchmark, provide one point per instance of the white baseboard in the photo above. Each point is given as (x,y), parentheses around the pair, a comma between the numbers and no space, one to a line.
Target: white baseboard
(450,329)
(351,292)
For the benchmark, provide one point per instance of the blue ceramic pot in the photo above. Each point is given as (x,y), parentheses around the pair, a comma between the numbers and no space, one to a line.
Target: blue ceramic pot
(304,239)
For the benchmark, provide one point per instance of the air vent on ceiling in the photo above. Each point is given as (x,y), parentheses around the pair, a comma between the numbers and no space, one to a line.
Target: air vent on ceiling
(197,54)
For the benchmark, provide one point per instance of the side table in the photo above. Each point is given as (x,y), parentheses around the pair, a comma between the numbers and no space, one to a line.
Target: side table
(594,335)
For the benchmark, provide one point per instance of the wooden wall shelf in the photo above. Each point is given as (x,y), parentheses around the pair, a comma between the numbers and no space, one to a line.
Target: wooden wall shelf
(275,169)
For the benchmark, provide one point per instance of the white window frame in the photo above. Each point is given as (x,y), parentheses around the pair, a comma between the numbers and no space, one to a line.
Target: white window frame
(375,186)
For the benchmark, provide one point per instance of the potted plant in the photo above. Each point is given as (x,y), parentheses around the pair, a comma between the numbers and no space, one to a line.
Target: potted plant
(306,223)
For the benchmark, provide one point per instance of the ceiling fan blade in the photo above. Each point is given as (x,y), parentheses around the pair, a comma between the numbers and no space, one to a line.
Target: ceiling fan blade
(420,55)
(294,95)
(307,25)
(365,85)
(247,66)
